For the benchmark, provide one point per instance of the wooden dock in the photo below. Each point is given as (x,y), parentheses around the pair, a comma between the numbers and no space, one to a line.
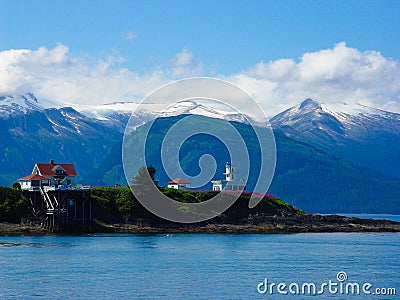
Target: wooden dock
(61,209)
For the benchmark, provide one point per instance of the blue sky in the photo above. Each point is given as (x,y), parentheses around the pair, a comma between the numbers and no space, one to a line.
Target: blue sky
(227,35)
(213,38)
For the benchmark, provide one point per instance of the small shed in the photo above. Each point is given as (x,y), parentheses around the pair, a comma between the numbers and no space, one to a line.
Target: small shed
(178,183)
(33,181)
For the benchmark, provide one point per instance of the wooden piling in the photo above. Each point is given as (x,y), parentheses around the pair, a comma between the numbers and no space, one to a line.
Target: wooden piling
(54,211)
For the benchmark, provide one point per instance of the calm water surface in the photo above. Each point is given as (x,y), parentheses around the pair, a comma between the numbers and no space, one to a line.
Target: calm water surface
(192,266)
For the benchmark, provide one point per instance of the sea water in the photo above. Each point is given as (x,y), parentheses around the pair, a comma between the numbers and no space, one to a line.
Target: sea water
(197,266)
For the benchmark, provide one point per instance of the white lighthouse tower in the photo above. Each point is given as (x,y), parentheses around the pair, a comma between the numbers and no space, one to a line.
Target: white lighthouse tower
(230,183)
(229,172)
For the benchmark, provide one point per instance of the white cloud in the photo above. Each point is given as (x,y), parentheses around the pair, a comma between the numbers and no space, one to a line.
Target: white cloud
(184,64)
(339,74)
(275,71)
(55,75)
(129,36)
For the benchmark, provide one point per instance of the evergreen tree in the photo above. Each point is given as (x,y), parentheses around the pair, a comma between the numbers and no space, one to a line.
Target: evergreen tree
(141,181)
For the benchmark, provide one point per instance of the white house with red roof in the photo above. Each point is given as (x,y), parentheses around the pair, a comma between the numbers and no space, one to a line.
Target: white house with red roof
(50,174)
(178,183)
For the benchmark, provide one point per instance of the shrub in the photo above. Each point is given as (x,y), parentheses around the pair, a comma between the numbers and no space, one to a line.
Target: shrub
(13,206)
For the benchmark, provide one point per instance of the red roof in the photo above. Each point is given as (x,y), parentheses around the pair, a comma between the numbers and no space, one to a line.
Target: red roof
(178,181)
(48,169)
(34,177)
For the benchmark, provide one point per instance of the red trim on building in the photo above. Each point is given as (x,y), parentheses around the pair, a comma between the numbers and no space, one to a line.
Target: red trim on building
(178,181)
(34,177)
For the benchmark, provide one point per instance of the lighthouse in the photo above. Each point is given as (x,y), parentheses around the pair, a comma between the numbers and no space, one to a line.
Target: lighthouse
(230,183)
(229,172)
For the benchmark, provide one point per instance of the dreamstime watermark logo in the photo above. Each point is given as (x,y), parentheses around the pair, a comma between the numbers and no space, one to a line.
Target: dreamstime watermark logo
(142,144)
(340,286)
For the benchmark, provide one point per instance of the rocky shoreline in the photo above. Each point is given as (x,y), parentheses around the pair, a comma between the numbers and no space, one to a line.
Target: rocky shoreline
(271,225)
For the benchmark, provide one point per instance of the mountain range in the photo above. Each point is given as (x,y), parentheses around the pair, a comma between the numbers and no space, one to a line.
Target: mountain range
(362,135)
(331,158)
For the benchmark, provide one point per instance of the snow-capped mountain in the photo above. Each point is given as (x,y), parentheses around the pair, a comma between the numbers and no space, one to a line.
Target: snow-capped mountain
(16,105)
(194,107)
(32,131)
(114,115)
(106,111)
(364,135)
(27,112)
(117,114)
(103,112)
(335,117)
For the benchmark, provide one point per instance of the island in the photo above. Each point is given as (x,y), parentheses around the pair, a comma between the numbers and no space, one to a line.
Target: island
(115,210)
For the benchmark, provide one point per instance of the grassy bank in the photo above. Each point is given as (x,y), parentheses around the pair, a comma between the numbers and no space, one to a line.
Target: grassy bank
(119,205)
